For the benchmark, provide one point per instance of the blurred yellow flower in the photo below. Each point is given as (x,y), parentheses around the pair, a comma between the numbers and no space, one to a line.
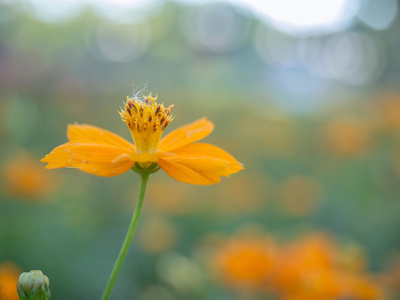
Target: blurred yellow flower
(24,177)
(9,274)
(100,152)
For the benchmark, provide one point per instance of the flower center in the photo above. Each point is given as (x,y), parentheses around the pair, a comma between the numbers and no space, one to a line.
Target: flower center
(146,120)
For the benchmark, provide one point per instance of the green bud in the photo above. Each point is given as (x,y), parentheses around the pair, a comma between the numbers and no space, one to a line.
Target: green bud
(33,285)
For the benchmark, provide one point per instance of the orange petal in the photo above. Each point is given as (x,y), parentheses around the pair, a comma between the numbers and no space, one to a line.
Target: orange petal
(185,174)
(198,164)
(98,159)
(84,133)
(186,134)
(202,149)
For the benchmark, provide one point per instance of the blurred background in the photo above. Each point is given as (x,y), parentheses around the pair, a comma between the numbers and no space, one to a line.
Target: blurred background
(304,93)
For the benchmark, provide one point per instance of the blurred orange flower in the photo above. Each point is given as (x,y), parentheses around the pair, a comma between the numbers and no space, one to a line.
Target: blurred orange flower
(391,277)
(246,262)
(24,177)
(306,270)
(361,287)
(390,110)
(346,138)
(312,267)
(100,152)
(9,274)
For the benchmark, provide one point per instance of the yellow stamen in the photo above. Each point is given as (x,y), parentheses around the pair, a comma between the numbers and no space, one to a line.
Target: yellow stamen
(146,120)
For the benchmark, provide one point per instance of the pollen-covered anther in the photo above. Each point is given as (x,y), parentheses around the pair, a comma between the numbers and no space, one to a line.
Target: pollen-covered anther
(146,120)
(168,110)
(132,105)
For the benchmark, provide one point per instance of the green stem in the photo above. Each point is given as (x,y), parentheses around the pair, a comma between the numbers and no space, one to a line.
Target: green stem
(129,236)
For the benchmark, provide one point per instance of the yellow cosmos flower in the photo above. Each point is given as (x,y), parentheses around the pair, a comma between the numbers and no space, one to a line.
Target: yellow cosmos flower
(100,152)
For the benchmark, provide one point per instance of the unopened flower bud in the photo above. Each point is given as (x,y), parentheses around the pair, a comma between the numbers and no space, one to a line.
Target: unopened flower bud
(33,285)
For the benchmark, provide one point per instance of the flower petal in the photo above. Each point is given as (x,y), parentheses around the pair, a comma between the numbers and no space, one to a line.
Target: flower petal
(202,149)
(184,174)
(198,163)
(92,158)
(186,134)
(84,133)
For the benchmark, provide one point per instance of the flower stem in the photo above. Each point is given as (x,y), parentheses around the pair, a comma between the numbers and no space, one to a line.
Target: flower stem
(129,236)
